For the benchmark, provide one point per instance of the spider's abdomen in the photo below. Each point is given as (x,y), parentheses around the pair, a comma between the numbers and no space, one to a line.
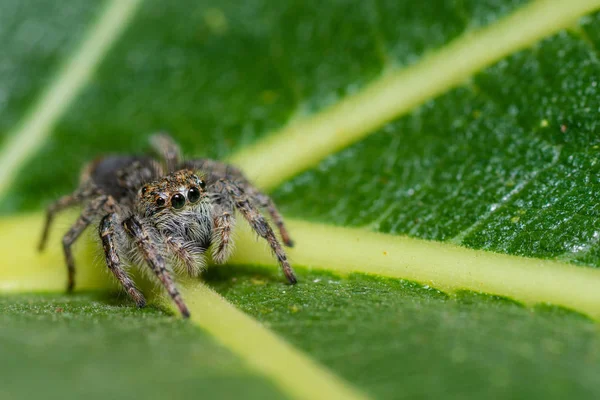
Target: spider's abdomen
(117,175)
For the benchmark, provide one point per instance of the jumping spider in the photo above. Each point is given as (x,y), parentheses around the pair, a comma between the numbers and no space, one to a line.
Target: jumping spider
(165,213)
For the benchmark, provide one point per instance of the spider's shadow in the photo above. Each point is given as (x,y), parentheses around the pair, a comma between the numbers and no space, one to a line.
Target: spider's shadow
(214,276)
(221,274)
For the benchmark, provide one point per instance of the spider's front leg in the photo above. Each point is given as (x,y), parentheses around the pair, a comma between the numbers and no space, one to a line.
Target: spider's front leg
(155,261)
(108,225)
(258,223)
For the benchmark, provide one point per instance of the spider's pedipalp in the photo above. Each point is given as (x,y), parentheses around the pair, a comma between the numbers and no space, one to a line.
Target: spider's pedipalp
(224,223)
(185,254)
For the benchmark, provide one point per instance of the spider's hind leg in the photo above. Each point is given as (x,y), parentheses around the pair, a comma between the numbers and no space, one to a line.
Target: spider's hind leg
(61,204)
(90,211)
(168,150)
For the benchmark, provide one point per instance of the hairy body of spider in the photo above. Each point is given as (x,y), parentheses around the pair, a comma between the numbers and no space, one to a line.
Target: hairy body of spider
(166,214)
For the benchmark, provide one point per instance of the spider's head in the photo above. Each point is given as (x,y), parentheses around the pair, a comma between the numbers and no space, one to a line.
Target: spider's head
(177,191)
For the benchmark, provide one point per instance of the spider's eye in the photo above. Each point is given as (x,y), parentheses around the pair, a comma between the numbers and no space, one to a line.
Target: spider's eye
(193,194)
(202,184)
(160,202)
(144,189)
(178,200)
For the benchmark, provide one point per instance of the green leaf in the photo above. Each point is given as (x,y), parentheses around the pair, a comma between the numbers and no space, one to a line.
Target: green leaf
(390,131)
(93,346)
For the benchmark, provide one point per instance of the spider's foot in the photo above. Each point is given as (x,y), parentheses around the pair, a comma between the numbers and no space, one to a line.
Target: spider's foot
(139,299)
(285,237)
(185,313)
(291,277)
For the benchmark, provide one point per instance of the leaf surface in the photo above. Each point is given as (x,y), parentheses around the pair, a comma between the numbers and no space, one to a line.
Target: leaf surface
(504,160)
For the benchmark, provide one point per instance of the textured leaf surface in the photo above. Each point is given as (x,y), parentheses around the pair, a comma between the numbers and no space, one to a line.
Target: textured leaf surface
(96,346)
(378,332)
(506,162)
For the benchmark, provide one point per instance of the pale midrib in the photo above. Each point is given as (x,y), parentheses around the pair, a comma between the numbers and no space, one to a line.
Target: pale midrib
(304,143)
(291,370)
(52,104)
(343,250)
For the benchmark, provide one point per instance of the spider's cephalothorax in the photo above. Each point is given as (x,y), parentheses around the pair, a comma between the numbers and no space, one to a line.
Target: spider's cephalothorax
(165,214)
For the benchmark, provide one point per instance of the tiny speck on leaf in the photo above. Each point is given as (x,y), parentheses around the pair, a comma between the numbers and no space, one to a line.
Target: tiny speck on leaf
(563,128)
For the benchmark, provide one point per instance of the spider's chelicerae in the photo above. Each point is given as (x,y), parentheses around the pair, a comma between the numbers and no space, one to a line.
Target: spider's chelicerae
(165,214)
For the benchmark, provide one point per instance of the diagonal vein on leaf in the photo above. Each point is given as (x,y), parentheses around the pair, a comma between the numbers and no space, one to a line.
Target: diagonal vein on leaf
(296,373)
(308,141)
(38,124)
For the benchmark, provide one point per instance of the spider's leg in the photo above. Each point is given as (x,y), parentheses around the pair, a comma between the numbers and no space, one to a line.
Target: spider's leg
(89,212)
(223,225)
(265,201)
(155,261)
(166,147)
(259,224)
(183,254)
(59,205)
(108,225)
(218,170)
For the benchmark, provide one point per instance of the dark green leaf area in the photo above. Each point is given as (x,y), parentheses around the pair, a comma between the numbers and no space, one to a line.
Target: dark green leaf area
(398,340)
(90,346)
(508,163)
(226,73)
(36,36)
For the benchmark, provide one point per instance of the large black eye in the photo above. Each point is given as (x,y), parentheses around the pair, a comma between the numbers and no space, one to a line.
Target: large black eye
(178,200)
(160,202)
(193,194)
(144,189)
(202,184)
